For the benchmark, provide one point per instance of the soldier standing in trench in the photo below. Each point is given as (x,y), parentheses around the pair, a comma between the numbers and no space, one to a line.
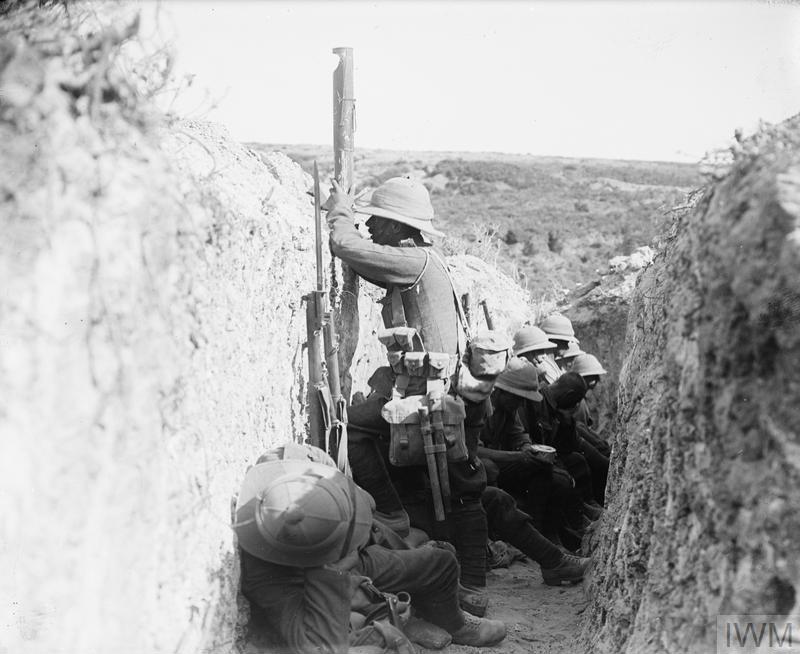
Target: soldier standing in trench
(398,256)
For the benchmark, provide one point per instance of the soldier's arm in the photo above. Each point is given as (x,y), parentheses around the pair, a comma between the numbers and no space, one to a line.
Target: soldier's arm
(309,608)
(382,265)
(492,453)
(516,436)
(323,622)
(498,456)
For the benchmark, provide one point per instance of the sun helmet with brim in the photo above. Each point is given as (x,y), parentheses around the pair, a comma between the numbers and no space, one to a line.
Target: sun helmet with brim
(558,327)
(300,513)
(404,200)
(573,350)
(520,378)
(587,365)
(531,339)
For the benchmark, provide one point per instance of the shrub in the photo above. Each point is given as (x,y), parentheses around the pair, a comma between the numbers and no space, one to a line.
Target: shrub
(529,249)
(554,242)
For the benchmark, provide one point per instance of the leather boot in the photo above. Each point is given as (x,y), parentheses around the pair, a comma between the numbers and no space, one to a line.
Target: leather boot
(592,510)
(426,634)
(570,570)
(479,632)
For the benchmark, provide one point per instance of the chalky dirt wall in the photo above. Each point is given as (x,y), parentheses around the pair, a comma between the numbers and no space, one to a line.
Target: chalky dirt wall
(702,519)
(150,344)
(151,341)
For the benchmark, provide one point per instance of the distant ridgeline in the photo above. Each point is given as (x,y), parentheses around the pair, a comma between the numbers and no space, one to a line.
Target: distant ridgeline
(549,222)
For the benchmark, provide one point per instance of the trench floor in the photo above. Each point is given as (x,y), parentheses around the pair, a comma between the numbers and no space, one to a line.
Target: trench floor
(540,619)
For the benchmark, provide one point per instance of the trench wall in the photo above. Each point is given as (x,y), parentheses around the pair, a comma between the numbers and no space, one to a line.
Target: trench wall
(151,335)
(600,322)
(703,490)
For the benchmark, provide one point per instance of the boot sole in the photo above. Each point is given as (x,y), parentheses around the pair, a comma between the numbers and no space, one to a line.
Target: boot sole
(489,643)
(563,582)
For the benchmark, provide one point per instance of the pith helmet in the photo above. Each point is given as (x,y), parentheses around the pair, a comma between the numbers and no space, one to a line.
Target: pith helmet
(573,350)
(559,327)
(530,339)
(587,364)
(405,200)
(520,378)
(302,451)
(300,513)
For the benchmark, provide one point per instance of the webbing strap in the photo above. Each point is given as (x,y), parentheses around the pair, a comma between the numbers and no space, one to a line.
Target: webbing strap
(398,312)
(427,253)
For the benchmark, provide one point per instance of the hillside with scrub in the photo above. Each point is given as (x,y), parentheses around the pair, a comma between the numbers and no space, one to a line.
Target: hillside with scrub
(552,223)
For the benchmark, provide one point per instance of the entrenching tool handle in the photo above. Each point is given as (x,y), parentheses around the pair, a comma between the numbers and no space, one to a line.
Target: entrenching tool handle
(437,424)
(430,458)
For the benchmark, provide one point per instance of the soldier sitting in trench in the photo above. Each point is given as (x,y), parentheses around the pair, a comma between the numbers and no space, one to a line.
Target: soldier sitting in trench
(594,447)
(312,556)
(552,422)
(527,471)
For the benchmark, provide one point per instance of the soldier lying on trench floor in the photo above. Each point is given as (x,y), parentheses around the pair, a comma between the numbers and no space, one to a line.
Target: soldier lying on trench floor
(309,544)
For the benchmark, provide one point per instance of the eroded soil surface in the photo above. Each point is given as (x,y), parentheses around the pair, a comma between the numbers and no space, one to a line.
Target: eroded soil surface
(540,619)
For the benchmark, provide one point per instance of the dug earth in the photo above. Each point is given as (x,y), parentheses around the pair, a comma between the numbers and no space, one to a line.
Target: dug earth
(152,346)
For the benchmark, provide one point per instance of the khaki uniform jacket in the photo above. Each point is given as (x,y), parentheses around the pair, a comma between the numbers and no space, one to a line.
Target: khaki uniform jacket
(504,431)
(427,296)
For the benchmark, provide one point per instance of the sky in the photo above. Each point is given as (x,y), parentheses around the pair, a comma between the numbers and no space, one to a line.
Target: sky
(649,80)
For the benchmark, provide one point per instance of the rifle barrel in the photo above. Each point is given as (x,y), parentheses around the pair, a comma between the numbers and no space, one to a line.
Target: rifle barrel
(315,374)
(318,229)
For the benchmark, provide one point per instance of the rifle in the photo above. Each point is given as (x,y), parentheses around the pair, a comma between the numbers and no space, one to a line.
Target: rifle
(328,410)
